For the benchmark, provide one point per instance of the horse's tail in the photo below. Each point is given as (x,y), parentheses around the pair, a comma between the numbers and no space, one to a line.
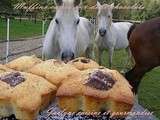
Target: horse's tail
(131,30)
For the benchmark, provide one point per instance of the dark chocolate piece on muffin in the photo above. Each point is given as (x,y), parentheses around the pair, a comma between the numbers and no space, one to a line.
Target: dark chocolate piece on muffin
(100,81)
(13,78)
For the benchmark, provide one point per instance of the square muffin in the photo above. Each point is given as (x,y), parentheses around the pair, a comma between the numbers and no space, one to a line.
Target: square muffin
(3,68)
(70,95)
(23,63)
(96,90)
(24,95)
(55,71)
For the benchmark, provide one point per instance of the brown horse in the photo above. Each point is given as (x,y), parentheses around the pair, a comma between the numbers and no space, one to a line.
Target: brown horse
(144,40)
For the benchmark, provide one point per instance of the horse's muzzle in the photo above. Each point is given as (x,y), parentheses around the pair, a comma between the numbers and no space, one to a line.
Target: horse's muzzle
(67,56)
(102,32)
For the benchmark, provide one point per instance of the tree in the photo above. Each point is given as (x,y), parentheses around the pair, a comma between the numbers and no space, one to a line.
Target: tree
(6,5)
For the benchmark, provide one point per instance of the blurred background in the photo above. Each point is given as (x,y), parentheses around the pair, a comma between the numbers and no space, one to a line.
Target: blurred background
(31,13)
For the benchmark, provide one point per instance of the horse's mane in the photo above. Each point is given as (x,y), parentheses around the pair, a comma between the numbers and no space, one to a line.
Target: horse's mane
(106,6)
(131,30)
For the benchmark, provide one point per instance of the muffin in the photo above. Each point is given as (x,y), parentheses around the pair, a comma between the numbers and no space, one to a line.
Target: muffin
(23,63)
(3,68)
(70,95)
(24,95)
(83,63)
(54,71)
(96,90)
(107,90)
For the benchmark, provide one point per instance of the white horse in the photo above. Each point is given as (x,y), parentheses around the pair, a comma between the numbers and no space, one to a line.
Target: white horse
(110,35)
(68,35)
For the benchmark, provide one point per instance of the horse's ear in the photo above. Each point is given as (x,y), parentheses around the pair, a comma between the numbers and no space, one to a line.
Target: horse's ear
(98,4)
(112,5)
(58,2)
(77,2)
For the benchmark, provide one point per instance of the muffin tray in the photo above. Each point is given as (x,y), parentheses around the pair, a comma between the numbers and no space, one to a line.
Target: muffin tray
(54,113)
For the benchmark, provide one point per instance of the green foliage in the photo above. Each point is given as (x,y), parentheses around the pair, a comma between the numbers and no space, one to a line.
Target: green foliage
(152,8)
(149,92)
(5,5)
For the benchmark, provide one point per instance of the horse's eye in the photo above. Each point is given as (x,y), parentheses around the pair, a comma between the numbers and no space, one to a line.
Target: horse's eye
(56,20)
(109,16)
(78,21)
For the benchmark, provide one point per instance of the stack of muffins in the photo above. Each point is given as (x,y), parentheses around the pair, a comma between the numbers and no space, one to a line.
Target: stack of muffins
(28,85)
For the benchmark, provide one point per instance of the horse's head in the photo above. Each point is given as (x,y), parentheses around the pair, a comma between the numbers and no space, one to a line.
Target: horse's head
(67,20)
(104,18)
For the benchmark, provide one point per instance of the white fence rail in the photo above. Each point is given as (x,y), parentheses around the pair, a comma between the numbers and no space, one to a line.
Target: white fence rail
(31,46)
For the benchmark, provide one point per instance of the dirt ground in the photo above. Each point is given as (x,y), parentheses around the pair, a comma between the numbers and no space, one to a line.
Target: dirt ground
(31,46)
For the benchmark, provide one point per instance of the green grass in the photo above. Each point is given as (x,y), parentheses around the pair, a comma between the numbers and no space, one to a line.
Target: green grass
(22,29)
(149,91)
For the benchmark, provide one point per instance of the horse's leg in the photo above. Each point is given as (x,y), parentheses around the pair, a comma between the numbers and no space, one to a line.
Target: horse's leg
(132,77)
(89,52)
(100,52)
(98,49)
(100,56)
(43,56)
(129,57)
(135,75)
(96,53)
(111,50)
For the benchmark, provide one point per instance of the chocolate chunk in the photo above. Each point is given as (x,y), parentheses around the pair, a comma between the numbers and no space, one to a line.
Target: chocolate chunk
(100,81)
(13,79)
(85,60)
